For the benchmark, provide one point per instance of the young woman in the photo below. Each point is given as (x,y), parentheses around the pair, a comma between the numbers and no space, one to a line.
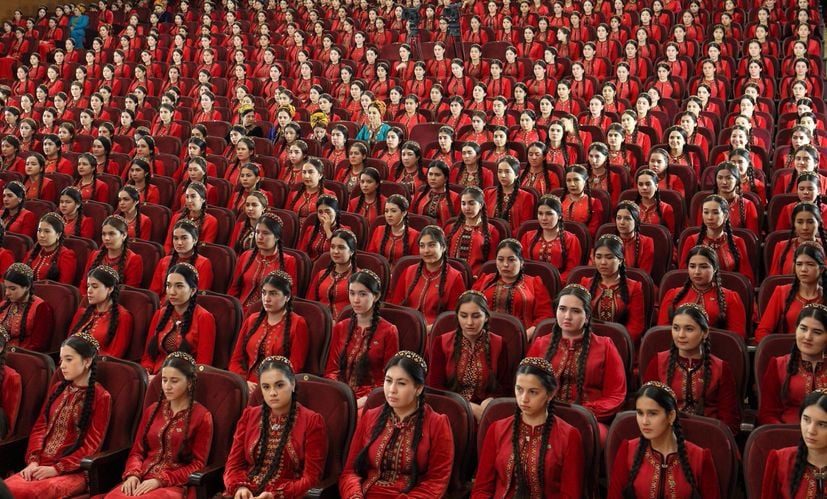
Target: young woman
(510,291)
(249,180)
(304,200)
(470,172)
(435,199)
(409,171)
(274,330)
(728,185)
(806,159)
(538,175)
(176,434)
(615,297)
(395,238)
(36,183)
(591,372)
(403,439)
(129,207)
(600,175)
(796,471)
(243,233)
(508,200)
(87,179)
(704,383)
(181,325)
(661,457)
(330,285)
(808,226)
(716,232)
(433,285)
(703,286)
(808,190)
(652,209)
(551,243)
(139,177)
(266,256)
(638,249)
(54,160)
(195,210)
(790,378)
(470,360)
(781,312)
(27,318)
(115,253)
(184,249)
(280,446)
(104,318)
(315,238)
(50,258)
(364,342)
(472,238)
(532,453)
(70,427)
(578,204)
(366,199)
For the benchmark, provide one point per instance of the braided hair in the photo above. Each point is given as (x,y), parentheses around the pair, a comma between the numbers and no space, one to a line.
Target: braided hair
(41,174)
(317,165)
(815,312)
(546,175)
(281,364)
(108,278)
(515,247)
(816,253)
(93,164)
(22,275)
(656,196)
(73,193)
(435,233)
(106,144)
(532,366)
(813,153)
(814,178)
(4,418)
(184,364)
(724,206)
(143,165)
(274,224)
(374,174)
(416,369)
(732,168)
(502,209)
(603,150)
(246,235)
(119,224)
(554,204)
(400,202)
(584,175)
(701,320)
(193,231)
(135,196)
(414,148)
(712,257)
(190,276)
(665,398)
(750,170)
(615,245)
(445,170)
(816,398)
(634,212)
(477,195)
(584,296)
(813,210)
(362,364)
(350,240)
(481,303)
(201,190)
(55,221)
(87,348)
(463,165)
(282,283)
(564,142)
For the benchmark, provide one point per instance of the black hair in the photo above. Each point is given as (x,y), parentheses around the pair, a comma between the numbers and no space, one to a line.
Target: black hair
(435,232)
(281,282)
(557,333)
(186,368)
(701,319)
(712,256)
(109,279)
(191,277)
(358,372)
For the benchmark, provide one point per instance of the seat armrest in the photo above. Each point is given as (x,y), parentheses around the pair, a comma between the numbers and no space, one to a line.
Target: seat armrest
(207,481)
(104,469)
(13,454)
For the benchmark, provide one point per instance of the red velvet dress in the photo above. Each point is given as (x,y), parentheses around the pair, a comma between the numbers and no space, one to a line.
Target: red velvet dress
(471,371)
(302,461)
(98,326)
(736,320)
(24,223)
(40,190)
(775,312)
(436,205)
(783,262)
(551,251)
(248,291)
(202,264)
(426,296)
(98,192)
(207,229)
(586,210)
(521,210)
(132,270)
(395,247)
(66,264)
(649,215)
(720,398)
(332,290)
(721,247)
(773,409)
(39,323)
(200,337)
(7,258)
(608,305)
(482,178)
(10,398)
(87,227)
(165,437)
(605,384)
(383,345)
(778,474)
(267,340)
(390,457)
(313,241)
(49,440)
(467,244)
(650,477)
(529,299)
(562,470)
(645,253)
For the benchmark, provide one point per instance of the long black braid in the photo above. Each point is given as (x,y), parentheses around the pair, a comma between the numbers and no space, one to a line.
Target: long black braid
(350,240)
(461,166)
(554,204)
(614,244)
(93,163)
(479,198)
(504,210)
(557,333)
(246,233)
(283,283)
(417,151)
(543,371)
(362,365)
(145,166)
(814,155)
(436,233)
(120,224)
(298,195)
(750,170)
(712,257)
(374,174)
(109,278)
(190,275)
(274,224)
(452,381)
(564,142)
(56,222)
(402,203)
(813,210)
(733,249)
(699,316)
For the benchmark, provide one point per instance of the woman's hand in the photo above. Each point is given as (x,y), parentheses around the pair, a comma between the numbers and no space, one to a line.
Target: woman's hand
(147,486)
(129,485)
(28,470)
(44,472)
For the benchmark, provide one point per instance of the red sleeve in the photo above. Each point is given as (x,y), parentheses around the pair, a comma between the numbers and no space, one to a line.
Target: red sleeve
(486,477)
(41,321)
(235,288)
(772,313)
(157,285)
(542,302)
(708,479)
(736,316)
(238,350)
(315,455)
(571,483)
(620,472)
(12,395)
(771,485)
(206,337)
(146,226)
(688,244)
(647,254)
(209,229)
(436,372)
(67,266)
(47,192)
(6,259)
(93,439)
(146,361)
(728,409)
(299,343)
(434,482)
(745,267)
(652,370)
(205,274)
(613,392)
(200,437)
(663,311)
(134,271)
(237,468)
(87,227)
(636,313)
(137,454)
(772,407)
(331,370)
(350,483)
(457,287)
(101,191)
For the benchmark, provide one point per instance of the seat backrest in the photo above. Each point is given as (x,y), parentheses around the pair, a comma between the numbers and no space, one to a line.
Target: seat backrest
(98,211)
(150,253)
(759,444)
(39,206)
(19,244)
(160,216)
(142,304)
(776,239)
(303,265)
(704,432)
(729,347)
(126,383)
(577,416)
(663,242)
(773,345)
(228,317)
(223,261)
(63,300)
(357,224)
(166,189)
(767,288)
(225,218)
(364,260)
(224,394)
(320,327)
(290,227)
(410,324)
(35,370)
(82,247)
